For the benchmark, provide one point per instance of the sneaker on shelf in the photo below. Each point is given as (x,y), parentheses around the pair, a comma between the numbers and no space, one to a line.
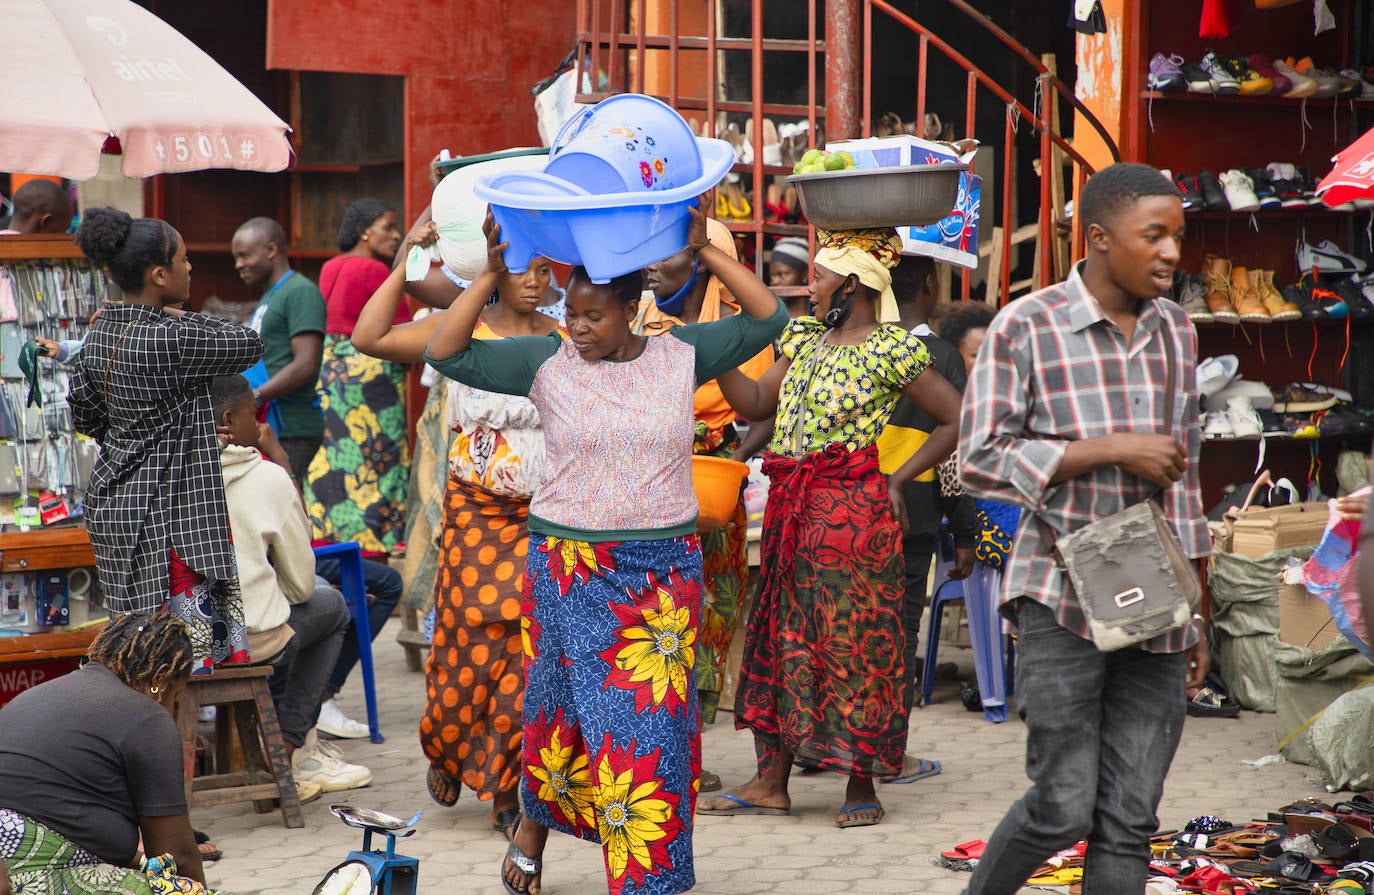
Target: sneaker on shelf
(1284,178)
(1197,79)
(1192,193)
(1361,311)
(1166,174)
(1223,82)
(1308,397)
(1239,190)
(1166,74)
(1252,83)
(334,722)
(1327,258)
(1215,373)
(1257,393)
(322,763)
(1261,63)
(1271,424)
(1328,85)
(1264,189)
(1303,86)
(1245,423)
(1213,196)
(1366,88)
(1218,425)
(1194,300)
(1306,185)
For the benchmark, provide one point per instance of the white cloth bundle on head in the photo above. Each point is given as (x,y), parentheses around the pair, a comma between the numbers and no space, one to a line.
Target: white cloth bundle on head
(459,215)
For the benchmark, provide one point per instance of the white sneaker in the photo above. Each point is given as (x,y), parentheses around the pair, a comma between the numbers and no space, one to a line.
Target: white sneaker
(334,722)
(1245,423)
(1218,425)
(322,763)
(1240,190)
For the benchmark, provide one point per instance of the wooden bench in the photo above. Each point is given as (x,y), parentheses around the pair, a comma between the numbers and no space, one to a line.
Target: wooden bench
(411,637)
(243,771)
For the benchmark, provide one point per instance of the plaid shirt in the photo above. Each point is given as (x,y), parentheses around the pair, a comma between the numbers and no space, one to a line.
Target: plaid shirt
(158,485)
(1055,369)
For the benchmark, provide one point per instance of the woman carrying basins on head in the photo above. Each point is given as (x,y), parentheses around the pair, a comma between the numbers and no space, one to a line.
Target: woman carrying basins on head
(821,681)
(612,738)
(471,730)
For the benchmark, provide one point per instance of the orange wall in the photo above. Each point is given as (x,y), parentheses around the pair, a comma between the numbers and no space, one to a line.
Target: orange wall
(469,65)
(1103,78)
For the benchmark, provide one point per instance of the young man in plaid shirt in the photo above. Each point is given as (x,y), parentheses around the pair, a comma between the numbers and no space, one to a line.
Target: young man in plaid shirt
(1061,416)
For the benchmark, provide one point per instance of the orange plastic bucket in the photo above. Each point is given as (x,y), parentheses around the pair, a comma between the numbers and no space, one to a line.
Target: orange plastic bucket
(717,483)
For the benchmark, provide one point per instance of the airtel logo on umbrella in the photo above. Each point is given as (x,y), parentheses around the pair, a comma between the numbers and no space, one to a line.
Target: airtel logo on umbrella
(113,31)
(1364,167)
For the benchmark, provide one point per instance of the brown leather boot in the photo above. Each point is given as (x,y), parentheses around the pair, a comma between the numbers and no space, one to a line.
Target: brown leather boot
(1218,286)
(1279,308)
(1246,298)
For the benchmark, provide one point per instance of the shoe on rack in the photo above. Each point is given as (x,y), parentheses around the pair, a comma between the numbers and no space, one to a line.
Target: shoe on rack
(1366,88)
(1264,189)
(1198,80)
(1353,264)
(1308,397)
(334,722)
(1328,85)
(1245,423)
(1271,423)
(1361,311)
(1327,306)
(1194,300)
(1245,297)
(1218,425)
(1261,63)
(1303,86)
(1166,74)
(1327,258)
(322,763)
(1214,374)
(1192,193)
(1217,282)
(1223,82)
(1252,83)
(1239,190)
(1284,178)
(1280,309)
(1213,196)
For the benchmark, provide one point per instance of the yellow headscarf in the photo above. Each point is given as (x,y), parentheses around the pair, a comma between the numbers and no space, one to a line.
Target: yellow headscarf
(868,254)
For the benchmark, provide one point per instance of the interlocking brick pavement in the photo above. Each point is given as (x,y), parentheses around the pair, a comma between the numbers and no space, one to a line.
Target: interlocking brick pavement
(802,854)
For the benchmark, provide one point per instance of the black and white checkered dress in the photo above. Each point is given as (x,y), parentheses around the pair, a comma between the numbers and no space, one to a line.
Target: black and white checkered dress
(158,485)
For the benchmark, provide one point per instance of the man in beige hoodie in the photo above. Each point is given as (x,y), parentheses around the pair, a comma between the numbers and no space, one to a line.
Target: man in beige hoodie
(296,622)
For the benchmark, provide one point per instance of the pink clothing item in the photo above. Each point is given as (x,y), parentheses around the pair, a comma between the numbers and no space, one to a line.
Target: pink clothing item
(347,283)
(642,458)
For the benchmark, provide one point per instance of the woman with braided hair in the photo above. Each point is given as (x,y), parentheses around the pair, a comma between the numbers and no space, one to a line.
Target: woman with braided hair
(821,681)
(92,760)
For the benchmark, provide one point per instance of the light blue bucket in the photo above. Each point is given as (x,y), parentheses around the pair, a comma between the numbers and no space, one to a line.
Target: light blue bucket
(595,204)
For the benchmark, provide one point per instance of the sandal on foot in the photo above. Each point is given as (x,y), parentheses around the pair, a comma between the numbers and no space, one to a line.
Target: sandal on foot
(208,852)
(923,770)
(505,822)
(434,778)
(710,782)
(851,821)
(742,807)
(530,867)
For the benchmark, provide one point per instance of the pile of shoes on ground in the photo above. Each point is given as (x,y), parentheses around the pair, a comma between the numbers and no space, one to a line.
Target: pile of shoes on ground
(1257,75)
(1305,848)
(1334,285)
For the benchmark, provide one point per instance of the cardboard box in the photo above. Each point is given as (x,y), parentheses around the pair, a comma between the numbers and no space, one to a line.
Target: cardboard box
(1304,619)
(1258,531)
(892,152)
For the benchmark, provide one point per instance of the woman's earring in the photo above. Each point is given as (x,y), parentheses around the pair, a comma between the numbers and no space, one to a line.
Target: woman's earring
(155,690)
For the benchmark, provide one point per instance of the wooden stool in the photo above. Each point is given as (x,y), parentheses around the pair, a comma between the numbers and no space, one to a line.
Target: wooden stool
(244,704)
(412,639)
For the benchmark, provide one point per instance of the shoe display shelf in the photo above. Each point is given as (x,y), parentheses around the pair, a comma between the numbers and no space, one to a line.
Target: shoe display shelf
(1192,132)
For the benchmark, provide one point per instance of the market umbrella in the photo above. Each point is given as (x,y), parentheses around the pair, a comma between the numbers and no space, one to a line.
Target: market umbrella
(1353,175)
(78,72)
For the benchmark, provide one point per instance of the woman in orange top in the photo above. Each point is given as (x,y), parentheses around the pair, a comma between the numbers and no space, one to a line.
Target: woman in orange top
(680,291)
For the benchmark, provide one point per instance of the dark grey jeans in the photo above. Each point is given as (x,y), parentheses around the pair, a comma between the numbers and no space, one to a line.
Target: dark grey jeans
(299,452)
(1101,729)
(300,672)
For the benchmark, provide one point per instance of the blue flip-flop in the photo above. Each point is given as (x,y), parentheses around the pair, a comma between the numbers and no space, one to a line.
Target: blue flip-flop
(924,770)
(742,807)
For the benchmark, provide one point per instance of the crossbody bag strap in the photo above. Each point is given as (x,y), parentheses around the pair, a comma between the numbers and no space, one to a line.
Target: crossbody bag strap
(1048,537)
(109,365)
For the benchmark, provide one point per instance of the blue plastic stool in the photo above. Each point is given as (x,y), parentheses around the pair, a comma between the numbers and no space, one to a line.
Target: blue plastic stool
(350,557)
(980,593)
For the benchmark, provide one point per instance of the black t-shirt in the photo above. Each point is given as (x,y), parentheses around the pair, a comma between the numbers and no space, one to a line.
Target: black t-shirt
(88,756)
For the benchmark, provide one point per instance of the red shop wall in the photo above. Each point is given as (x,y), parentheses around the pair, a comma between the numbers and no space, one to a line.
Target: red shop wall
(469,65)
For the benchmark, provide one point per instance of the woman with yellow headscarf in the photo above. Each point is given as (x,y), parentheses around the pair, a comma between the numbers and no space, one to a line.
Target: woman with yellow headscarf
(822,678)
(679,291)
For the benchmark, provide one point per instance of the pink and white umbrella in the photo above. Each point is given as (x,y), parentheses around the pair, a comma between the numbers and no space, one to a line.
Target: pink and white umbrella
(81,71)
(1353,175)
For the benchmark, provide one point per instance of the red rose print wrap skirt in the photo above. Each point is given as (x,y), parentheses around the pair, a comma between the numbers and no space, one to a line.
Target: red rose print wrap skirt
(822,673)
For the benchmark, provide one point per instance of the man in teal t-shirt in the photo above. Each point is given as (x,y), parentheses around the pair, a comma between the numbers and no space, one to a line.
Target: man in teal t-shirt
(290,318)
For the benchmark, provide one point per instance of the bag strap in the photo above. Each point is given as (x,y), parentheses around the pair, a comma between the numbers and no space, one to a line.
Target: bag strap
(1048,537)
(109,365)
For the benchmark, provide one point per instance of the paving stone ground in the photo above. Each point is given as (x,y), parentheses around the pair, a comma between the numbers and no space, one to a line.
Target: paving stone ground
(802,854)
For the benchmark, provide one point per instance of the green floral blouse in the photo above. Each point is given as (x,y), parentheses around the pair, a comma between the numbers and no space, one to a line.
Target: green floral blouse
(841,393)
